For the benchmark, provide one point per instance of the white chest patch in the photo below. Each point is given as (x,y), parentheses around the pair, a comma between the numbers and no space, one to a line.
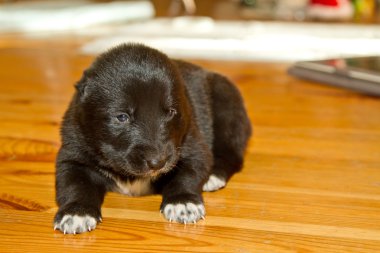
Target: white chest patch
(138,187)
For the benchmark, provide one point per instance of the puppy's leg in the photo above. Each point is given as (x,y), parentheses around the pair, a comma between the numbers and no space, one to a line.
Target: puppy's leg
(79,193)
(231,132)
(181,192)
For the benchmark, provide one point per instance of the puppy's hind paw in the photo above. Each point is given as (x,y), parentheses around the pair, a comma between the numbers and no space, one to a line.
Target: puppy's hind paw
(184,213)
(75,224)
(214,183)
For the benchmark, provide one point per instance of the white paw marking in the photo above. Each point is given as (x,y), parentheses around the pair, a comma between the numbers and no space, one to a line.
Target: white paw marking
(75,224)
(184,213)
(214,183)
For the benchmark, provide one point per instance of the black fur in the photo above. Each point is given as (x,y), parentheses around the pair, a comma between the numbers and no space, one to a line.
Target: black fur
(139,115)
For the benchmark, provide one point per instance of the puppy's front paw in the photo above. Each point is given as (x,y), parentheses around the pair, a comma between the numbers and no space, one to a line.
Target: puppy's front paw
(184,213)
(75,218)
(75,224)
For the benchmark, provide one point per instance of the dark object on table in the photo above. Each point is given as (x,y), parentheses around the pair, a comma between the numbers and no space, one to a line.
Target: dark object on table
(361,74)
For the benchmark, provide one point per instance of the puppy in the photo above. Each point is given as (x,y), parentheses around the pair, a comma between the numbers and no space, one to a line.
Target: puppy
(141,123)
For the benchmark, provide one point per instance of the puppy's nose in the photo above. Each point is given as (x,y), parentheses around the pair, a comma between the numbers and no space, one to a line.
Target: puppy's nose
(156,163)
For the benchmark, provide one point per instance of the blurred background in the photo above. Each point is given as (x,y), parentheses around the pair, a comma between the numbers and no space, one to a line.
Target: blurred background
(265,30)
(289,10)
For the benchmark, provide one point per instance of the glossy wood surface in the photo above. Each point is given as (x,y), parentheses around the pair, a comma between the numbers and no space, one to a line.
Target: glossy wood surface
(310,183)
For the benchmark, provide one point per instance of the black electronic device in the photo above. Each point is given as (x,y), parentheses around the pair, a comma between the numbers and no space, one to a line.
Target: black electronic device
(361,74)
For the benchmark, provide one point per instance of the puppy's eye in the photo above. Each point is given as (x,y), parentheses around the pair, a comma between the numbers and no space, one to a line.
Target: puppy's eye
(123,117)
(172,112)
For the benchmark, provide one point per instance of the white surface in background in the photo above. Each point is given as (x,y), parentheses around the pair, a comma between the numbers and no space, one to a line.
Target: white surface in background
(204,38)
(72,15)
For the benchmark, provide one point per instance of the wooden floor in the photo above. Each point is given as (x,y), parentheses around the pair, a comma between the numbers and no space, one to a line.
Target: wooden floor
(311,179)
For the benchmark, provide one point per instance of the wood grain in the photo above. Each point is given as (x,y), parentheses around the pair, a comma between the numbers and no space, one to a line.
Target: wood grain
(310,183)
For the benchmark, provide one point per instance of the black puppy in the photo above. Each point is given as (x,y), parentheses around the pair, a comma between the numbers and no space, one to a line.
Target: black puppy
(141,123)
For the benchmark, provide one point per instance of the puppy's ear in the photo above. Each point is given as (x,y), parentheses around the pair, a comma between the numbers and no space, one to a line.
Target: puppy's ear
(81,86)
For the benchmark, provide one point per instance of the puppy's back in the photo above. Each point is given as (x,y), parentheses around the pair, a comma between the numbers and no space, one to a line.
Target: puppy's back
(198,91)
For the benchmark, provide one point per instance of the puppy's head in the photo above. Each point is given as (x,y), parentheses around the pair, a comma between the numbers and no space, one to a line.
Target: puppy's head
(132,110)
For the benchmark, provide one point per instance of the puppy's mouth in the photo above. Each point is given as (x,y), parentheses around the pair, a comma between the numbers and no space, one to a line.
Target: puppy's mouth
(156,173)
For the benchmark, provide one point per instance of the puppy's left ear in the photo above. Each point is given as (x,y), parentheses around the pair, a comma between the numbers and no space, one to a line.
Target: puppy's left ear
(81,89)
(81,86)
